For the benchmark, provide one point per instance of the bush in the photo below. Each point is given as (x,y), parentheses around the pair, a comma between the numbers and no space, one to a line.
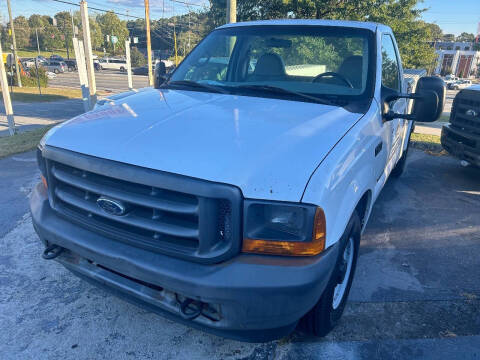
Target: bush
(137,58)
(29,79)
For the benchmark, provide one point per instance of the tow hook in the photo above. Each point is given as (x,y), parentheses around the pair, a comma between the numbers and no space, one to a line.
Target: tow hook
(51,252)
(190,309)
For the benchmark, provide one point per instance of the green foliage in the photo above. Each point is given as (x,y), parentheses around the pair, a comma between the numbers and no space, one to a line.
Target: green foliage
(29,79)
(137,58)
(466,37)
(112,25)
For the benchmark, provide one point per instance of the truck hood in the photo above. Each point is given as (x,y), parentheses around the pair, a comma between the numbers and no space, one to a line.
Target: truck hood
(266,147)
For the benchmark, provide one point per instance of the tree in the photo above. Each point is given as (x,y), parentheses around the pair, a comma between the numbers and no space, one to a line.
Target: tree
(436,31)
(22,32)
(466,37)
(449,37)
(111,25)
(136,57)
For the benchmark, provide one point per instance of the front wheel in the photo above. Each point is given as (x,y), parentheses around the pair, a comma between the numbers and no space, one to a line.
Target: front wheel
(56,71)
(326,314)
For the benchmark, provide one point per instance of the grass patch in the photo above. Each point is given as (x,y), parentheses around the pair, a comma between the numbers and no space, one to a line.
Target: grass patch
(21,142)
(429,143)
(30,94)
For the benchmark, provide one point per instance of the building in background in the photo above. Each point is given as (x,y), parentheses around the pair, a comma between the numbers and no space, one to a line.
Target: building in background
(456,58)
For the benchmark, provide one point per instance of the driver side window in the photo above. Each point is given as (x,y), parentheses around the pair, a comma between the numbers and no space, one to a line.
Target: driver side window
(390,68)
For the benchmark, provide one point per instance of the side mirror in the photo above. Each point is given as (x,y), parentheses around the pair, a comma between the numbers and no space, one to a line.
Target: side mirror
(429,106)
(429,100)
(159,74)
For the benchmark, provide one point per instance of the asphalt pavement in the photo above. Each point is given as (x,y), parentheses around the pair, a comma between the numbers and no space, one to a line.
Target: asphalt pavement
(109,80)
(416,293)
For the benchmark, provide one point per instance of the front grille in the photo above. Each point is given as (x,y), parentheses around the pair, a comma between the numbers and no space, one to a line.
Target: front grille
(466,111)
(166,213)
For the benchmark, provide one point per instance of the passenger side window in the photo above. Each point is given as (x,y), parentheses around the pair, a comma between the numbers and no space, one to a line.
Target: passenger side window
(390,68)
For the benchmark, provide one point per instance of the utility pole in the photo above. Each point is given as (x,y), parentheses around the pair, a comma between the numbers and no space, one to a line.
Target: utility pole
(38,44)
(88,53)
(149,43)
(14,42)
(175,43)
(73,24)
(231,11)
(6,95)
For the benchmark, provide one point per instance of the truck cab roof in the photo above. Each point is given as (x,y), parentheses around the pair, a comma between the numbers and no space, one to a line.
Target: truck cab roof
(313,22)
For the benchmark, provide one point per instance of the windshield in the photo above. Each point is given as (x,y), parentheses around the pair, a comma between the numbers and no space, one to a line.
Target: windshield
(312,60)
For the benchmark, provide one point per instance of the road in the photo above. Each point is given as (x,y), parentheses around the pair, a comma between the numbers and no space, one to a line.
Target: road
(106,80)
(416,293)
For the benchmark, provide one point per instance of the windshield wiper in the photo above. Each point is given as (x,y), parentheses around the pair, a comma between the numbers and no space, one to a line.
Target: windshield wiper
(280,90)
(196,85)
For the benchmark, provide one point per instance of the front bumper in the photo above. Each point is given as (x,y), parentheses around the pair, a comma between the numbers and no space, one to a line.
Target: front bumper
(461,144)
(256,298)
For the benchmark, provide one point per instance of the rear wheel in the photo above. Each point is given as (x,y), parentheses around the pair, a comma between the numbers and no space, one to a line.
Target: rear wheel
(56,71)
(122,69)
(326,314)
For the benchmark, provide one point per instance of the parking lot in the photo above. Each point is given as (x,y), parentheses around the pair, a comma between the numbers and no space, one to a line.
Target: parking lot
(416,293)
(105,80)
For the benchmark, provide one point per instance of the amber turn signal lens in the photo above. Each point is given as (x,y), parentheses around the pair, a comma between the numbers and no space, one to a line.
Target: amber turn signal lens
(292,248)
(44,181)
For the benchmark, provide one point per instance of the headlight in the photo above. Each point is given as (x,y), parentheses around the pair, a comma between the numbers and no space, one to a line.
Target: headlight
(279,228)
(42,166)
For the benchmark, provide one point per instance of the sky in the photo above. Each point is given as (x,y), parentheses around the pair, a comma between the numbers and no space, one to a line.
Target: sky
(453,16)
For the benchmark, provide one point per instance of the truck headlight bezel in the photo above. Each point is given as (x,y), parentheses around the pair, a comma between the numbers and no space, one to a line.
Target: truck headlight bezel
(283,228)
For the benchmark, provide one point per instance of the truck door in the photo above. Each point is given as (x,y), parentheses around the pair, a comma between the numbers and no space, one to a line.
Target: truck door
(392,78)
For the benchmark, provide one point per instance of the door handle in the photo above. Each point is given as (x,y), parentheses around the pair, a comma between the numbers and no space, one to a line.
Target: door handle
(378,148)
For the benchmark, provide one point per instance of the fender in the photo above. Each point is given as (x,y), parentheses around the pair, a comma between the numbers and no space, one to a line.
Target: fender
(345,175)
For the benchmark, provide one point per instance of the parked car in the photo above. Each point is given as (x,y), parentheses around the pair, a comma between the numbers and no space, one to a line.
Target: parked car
(55,66)
(460,84)
(450,79)
(71,64)
(233,199)
(461,137)
(113,64)
(56,57)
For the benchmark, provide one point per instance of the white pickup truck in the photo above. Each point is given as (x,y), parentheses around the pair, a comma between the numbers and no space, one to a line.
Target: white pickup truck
(232,195)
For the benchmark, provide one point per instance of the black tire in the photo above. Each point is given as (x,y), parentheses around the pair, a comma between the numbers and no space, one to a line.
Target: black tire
(324,317)
(400,167)
(56,71)
(122,69)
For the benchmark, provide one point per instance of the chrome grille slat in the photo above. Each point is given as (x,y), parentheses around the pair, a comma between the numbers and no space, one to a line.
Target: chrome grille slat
(138,199)
(129,219)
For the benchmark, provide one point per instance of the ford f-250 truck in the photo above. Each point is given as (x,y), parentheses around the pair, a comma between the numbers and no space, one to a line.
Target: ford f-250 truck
(232,195)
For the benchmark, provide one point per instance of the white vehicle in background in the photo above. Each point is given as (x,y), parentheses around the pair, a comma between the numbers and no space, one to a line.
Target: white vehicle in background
(113,64)
(460,84)
(450,79)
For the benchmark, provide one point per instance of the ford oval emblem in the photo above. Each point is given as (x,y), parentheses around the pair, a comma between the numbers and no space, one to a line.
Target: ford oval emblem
(471,112)
(111,206)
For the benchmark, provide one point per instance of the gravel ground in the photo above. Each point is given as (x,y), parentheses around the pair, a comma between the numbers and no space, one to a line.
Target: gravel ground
(416,294)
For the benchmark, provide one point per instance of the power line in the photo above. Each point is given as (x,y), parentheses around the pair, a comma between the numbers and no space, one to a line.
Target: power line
(98,9)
